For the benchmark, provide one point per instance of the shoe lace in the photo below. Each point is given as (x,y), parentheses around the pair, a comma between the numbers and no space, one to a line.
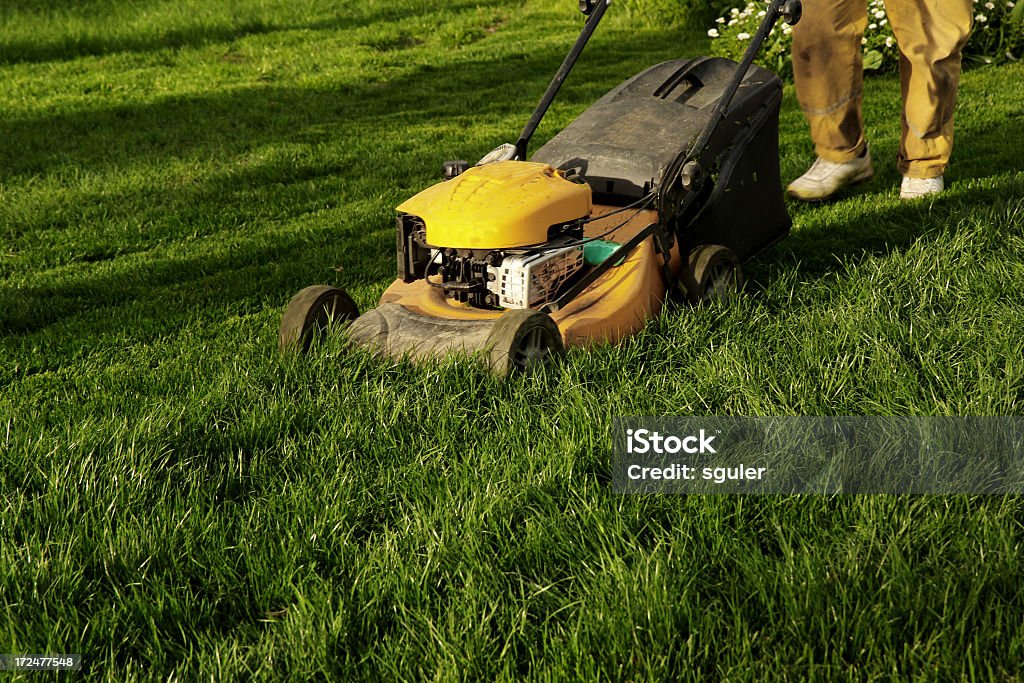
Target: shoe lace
(820,168)
(923,183)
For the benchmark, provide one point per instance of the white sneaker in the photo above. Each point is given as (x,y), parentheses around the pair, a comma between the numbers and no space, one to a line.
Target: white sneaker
(824,178)
(915,188)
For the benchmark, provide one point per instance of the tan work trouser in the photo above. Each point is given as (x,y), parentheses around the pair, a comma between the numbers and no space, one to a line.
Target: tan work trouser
(828,69)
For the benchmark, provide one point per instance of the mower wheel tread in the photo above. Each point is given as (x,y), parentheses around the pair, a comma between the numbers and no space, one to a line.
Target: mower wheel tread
(310,313)
(523,340)
(712,273)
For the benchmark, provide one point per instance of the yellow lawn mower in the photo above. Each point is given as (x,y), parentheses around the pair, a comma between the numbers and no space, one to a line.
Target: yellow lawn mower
(670,182)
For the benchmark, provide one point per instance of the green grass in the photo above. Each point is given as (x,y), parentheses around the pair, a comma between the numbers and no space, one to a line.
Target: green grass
(179,501)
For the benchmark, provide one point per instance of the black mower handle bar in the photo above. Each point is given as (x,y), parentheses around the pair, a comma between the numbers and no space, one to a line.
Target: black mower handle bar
(594,10)
(690,172)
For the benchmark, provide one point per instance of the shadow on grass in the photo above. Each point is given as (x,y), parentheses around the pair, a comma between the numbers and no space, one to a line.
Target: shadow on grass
(171,290)
(30,51)
(878,230)
(861,223)
(36,50)
(246,118)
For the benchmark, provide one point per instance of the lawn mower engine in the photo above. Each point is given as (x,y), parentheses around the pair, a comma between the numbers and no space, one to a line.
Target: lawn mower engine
(515,280)
(498,236)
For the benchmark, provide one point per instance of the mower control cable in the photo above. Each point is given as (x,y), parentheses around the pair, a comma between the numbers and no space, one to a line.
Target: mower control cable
(616,257)
(640,205)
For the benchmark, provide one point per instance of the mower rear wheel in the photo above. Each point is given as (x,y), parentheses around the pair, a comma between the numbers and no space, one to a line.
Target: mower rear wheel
(712,273)
(310,313)
(523,340)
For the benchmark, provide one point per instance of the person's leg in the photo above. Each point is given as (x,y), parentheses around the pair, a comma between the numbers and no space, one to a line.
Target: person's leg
(829,73)
(828,70)
(930,35)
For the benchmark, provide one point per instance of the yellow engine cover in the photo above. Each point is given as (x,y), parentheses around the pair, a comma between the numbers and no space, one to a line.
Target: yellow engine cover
(502,205)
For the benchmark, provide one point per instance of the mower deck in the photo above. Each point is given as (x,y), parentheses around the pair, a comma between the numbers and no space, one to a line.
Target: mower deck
(417,320)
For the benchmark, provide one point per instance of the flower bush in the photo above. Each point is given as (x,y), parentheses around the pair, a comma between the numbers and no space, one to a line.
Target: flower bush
(998,35)
(731,36)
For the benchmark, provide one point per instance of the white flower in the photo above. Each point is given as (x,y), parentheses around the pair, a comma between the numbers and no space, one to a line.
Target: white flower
(883,22)
(889,41)
(982,18)
(872,26)
(1010,5)
(880,14)
(732,22)
(736,10)
(863,41)
(742,36)
(760,14)
(989,5)
(713,33)
(988,60)
(786,29)
(720,20)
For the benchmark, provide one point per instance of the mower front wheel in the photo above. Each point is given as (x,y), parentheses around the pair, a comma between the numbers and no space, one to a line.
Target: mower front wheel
(712,273)
(523,340)
(310,313)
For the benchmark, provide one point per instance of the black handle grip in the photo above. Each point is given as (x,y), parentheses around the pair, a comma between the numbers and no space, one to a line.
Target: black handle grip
(792,11)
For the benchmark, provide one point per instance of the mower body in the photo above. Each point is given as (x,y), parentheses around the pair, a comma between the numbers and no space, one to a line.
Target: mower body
(454,237)
(418,317)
